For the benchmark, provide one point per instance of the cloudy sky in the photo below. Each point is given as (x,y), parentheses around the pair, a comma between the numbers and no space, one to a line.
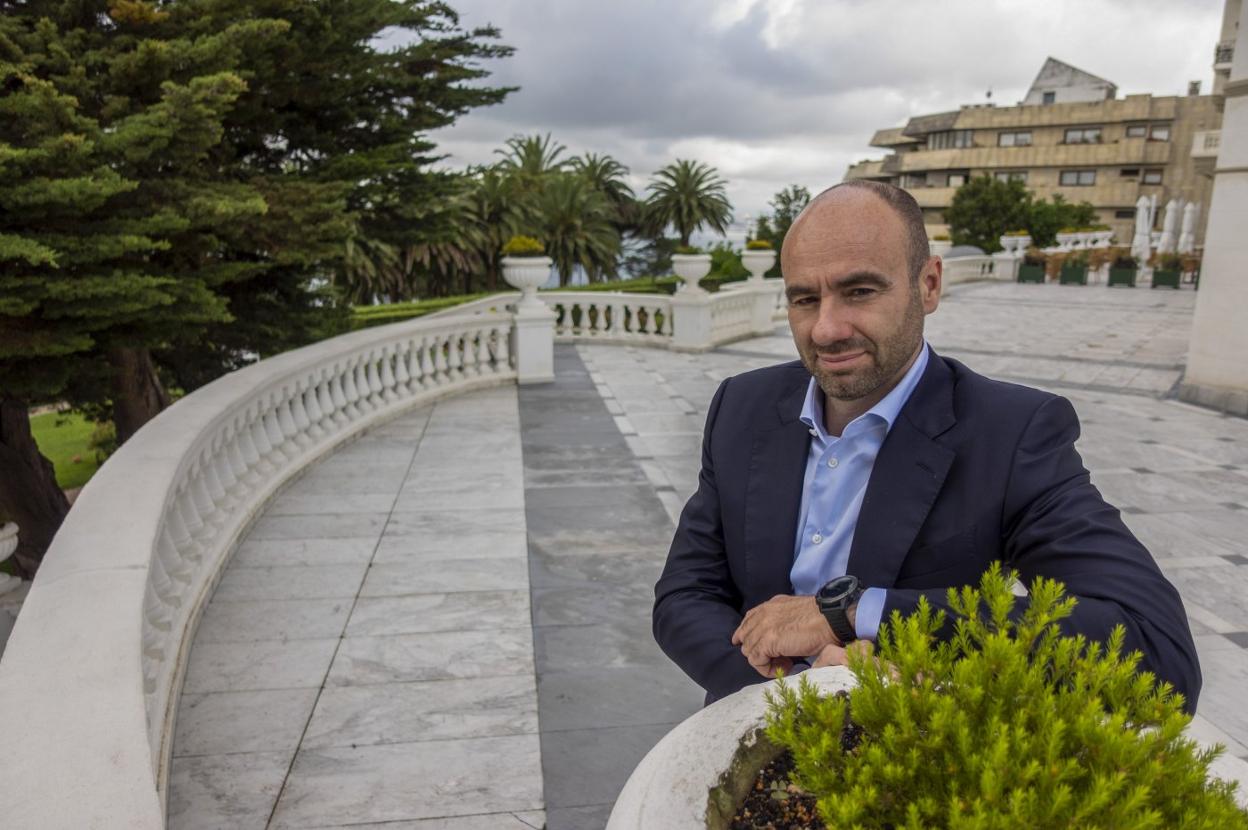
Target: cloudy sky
(774,92)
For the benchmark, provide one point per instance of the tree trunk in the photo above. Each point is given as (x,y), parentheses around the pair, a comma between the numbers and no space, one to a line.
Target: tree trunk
(138,396)
(29,494)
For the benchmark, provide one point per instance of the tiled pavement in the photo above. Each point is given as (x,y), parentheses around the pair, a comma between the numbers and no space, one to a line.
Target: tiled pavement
(386,647)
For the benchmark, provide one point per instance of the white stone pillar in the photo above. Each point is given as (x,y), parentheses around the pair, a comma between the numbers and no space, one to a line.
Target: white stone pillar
(533,344)
(1005,266)
(764,304)
(691,321)
(1217,371)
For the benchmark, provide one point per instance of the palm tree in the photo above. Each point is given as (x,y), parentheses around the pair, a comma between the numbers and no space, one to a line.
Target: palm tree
(369,271)
(609,178)
(531,157)
(448,249)
(687,195)
(576,228)
(499,212)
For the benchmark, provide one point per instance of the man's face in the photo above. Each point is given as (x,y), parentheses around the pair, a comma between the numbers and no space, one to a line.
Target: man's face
(856,315)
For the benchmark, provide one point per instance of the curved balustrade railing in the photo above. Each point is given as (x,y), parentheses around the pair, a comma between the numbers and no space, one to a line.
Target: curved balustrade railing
(732,316)
(92,672)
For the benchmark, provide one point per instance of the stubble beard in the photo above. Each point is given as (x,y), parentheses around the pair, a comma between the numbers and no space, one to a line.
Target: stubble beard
(886,358)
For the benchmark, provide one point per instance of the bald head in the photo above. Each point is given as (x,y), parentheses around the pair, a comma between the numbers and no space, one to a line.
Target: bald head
(861,198)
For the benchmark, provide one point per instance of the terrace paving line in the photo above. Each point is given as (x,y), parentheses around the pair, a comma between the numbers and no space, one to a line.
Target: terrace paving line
(446,624)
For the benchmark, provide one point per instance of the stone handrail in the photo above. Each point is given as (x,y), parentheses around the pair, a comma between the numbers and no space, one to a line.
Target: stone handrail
(90,678)
(732,316)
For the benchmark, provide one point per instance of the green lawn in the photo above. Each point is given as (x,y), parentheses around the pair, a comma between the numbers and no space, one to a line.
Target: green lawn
(62,438)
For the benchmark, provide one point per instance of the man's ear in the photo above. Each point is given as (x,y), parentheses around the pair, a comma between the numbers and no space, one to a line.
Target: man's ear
(930,283)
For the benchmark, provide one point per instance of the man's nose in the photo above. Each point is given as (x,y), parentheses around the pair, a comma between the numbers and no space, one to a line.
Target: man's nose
(832,326)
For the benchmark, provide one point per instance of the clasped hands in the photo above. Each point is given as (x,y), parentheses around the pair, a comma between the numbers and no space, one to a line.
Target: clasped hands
(785,626)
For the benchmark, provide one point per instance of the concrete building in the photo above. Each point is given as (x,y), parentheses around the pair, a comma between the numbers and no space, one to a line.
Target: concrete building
(1071,135)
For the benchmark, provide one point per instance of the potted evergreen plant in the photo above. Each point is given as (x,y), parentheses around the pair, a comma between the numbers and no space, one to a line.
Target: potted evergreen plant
(1032,268)
(1000,722)
(1074,269)
(1122,270)
(526,268)
(1167,269)
(758,258)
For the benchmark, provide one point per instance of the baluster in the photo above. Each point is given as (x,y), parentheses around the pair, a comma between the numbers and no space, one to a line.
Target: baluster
(215,487)
(334,401)
(428,364)
(180,535)
(159,616)
(347,378)
(377,389)
(204,506)
(440,351)
(288,412)
(362,385)
(455,355)
(501,340)
(256,466)
(236,455)
(176,566)
(260,440)
(472,362)
(222,470)
(402,378)
(338,389)
(273,433)
(313,415)
(389,384)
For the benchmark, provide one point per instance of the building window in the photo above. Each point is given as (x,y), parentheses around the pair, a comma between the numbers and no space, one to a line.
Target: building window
(914,180)
(957,179)
(1152,177)
(1017,139)
(1011,176)
(950,139)
(1159,132)
(1130,172)
(1050,97)
(1137,130)
(1077,178)
(1083,135)
(1124,214)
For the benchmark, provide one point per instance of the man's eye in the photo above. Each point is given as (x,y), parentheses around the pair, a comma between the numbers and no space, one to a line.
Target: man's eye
(861,292)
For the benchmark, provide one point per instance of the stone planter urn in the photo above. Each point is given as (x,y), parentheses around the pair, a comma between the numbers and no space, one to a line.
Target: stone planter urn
(758,262)
(1008,244)
(8,544)
(691,268)
(700,771)
(527,274)
(939,247)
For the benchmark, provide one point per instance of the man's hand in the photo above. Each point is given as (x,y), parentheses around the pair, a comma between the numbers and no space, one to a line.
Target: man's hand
(781,627)
(834,655)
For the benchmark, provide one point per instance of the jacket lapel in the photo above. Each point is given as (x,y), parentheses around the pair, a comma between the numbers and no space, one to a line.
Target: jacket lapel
(774,494)
(908,474)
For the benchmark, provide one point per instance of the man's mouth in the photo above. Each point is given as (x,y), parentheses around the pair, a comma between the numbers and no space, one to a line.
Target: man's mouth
(840,358)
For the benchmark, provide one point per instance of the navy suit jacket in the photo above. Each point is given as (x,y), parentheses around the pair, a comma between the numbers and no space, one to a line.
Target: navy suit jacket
(972,471)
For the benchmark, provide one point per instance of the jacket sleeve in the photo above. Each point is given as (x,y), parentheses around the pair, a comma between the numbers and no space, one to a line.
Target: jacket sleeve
(1056,524)
(696,604)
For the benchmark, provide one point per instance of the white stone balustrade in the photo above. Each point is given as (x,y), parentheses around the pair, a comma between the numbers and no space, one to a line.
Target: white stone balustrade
(611,316)
(91,675)
(971,268)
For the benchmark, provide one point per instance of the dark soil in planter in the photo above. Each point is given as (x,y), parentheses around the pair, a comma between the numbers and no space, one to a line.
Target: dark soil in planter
(775,803)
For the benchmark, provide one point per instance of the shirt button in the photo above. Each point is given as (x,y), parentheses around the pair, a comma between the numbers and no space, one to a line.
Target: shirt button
(817,538)
(832,462)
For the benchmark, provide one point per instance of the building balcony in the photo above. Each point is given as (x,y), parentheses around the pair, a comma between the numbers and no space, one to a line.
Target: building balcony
(1205,144)
(1223,54)
(1129,151)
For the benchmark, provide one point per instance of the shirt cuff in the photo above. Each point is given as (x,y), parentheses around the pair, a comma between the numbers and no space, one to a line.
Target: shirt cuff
(870,610)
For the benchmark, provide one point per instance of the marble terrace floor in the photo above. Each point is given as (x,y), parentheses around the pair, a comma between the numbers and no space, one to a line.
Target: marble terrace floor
(445,625)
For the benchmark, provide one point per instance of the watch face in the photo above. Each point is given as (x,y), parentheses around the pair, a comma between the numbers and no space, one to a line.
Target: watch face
(838,589)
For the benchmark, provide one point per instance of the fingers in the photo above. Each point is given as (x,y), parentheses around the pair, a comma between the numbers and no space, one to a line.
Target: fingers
(830,655)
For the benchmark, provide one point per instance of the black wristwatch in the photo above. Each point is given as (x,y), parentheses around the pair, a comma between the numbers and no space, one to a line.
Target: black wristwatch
(834,600)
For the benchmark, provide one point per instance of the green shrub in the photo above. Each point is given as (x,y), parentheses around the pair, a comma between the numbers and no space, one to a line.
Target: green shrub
(1008,724)
(523,246)
(1124,261)
(688,250)
(1168,262)
(758,245)
(103,441)
(1034,256)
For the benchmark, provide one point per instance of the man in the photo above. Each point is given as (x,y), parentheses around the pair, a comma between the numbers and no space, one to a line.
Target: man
(842,487)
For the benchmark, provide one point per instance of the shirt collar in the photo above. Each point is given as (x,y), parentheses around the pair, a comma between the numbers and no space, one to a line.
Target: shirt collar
(885,411)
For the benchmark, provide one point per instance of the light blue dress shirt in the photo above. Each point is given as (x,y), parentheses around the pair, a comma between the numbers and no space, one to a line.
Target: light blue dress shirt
(837,471)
